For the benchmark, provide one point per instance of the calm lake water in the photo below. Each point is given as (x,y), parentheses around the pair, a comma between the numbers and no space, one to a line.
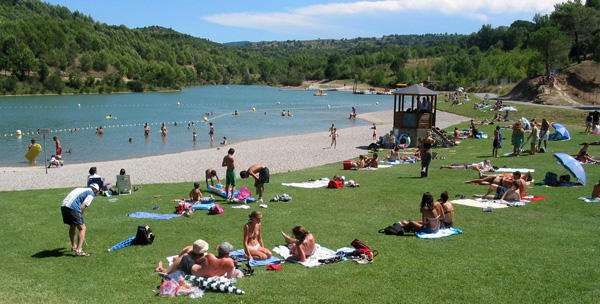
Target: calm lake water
(62,114)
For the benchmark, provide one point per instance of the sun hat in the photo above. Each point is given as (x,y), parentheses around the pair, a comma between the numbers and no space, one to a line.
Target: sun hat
(95,186)
(224,248)
(200,247)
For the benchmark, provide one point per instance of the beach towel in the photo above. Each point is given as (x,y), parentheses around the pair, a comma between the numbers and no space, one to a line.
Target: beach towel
(533,198)
(321,253)
(511,170)
(240,254)
(478,203)
(320,183)
(520,203)
(439,234)
(398,162)
(209,283)
(156,216)
(589,200)
(202,206)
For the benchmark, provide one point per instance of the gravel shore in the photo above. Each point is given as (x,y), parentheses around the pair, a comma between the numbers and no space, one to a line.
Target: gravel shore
(190,166)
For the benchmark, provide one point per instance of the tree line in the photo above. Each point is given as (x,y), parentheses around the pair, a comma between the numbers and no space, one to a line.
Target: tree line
(49,49)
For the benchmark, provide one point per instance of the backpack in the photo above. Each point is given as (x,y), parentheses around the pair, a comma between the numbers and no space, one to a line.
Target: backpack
(216,209)
(336,183)
(550,178)
(144,236)
(394,229)
(565,178)
(362,249)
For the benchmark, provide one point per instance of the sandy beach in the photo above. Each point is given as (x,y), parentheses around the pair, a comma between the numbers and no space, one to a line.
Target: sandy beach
(280,154)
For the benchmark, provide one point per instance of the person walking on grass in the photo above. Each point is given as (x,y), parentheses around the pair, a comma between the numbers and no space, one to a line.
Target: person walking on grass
(72,208)
(544,134)
(497,142)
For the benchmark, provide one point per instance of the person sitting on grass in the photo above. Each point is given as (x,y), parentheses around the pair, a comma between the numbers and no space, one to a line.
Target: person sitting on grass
(448,209)
(512,194)
(584,157)
(193,260)
(481,166)
(303,246)
(253,242)
(195,194)
(393,155)
(596,191)
(432,214)
(373,162)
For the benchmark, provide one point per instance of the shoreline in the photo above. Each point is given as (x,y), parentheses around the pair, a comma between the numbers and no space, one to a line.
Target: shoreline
(189,166)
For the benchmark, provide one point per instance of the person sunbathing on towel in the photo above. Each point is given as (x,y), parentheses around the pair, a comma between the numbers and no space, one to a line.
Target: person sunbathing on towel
(511,194)
(253,242)
(448,209)
(372,162)
(432,214)
(584,157)
(481,166)
(303,246)
(497,179)
(193,260)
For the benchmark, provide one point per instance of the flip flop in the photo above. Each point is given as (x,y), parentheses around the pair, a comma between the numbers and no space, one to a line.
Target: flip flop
(82,254)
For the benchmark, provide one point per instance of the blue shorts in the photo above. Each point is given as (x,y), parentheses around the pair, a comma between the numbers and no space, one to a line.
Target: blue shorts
(500,192)
(426,229)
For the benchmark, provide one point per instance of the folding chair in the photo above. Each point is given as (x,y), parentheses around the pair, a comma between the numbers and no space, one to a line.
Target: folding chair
(124,184)
(96,180)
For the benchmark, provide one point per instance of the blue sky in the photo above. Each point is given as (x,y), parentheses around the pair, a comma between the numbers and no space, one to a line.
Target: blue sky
(270,20)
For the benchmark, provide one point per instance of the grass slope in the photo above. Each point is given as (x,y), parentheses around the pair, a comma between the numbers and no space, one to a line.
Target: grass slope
(546,251)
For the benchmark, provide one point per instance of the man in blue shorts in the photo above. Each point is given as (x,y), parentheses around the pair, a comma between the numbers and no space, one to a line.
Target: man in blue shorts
(72,208)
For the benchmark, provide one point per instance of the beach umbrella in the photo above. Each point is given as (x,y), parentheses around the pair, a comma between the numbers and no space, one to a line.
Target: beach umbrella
(509,109)
(563,133)
(572,165)
(214,285)
(526,123)
(122,244)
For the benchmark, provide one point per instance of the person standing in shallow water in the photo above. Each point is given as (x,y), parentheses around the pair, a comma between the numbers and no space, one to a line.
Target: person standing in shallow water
(211,132)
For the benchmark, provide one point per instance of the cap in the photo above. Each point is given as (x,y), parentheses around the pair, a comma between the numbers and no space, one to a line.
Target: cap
(200,247)
(95,186)
(224,248)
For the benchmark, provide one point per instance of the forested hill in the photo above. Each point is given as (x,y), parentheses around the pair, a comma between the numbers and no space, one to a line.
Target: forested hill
(49,49)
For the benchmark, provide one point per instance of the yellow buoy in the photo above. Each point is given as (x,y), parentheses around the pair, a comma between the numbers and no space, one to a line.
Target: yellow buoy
(18,132)
(253,109)
(178,103)
(205,119)
(328,106)
(79,105)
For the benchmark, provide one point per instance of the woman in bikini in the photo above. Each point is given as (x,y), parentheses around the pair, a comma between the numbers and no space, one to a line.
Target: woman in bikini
(448,209)
(253,243)
(303,246)
(432,213)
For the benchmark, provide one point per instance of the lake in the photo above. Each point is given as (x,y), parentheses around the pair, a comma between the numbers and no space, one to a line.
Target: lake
(63,114)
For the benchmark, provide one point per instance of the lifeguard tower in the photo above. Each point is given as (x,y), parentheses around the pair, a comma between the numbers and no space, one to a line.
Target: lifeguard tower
(414,112)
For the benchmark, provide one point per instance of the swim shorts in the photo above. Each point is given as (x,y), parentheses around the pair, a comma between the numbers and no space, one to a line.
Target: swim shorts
(500,192)
(263,176)
(186,264)
(230,177)
(426,229)
(71,217)
(495,144)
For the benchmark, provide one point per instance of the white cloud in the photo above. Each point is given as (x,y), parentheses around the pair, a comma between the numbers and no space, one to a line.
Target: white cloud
(327,17)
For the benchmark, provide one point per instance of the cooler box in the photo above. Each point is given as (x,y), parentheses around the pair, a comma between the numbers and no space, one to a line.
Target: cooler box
(348,164)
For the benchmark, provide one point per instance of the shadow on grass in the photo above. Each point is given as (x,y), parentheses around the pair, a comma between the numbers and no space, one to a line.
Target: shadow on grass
(54,253)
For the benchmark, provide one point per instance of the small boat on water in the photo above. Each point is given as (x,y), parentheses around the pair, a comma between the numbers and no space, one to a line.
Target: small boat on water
(320,93)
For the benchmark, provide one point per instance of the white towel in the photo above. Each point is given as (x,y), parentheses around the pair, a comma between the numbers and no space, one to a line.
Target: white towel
(313,260)
(322,182)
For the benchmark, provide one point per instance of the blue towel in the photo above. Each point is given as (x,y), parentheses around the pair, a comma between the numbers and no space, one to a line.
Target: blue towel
(141,214)
(440,234)
(203,206)
(589,200)
(240,254)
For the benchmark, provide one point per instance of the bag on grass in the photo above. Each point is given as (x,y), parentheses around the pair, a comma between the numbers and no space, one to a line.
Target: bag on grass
(336,183)
(394,229)
(216,209)
(565,178)
(362,249)
(144,236)
(550,178)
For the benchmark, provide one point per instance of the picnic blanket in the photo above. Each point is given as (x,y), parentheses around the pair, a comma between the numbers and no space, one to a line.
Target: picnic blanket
(156,216)
(511,170)
(240,254)
(321,253)
(478,203)
(439,234)
(589,200)
(321,182)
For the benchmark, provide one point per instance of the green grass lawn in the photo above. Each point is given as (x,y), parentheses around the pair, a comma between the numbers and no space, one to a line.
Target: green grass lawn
(545,252)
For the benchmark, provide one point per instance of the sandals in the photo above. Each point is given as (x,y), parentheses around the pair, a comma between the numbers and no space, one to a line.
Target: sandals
(81,254)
